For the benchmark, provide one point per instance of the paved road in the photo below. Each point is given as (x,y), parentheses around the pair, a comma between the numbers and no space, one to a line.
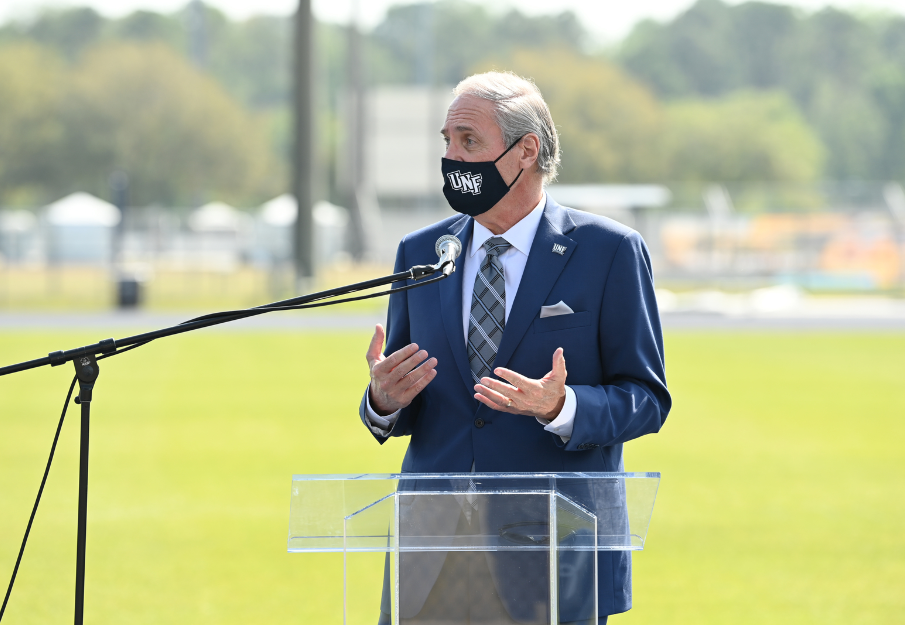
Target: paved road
(815,323)
(144,321)
(118,323)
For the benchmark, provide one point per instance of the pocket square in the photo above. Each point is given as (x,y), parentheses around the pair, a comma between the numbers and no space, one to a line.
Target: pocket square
(555,310)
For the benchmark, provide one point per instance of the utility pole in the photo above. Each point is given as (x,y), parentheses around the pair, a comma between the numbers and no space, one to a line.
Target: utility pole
(197,17)
(425,75)
(894,195)
(303,161)
(355,128)
(128,285)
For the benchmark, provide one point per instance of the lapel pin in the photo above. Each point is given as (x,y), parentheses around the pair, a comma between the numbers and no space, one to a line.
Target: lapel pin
(559,249)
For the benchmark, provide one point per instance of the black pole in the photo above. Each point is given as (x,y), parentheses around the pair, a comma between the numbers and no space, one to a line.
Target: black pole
(83,515)
(86,370)
(303,165)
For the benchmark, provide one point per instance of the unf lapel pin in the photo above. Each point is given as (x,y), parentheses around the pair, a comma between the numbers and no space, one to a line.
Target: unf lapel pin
(559,249)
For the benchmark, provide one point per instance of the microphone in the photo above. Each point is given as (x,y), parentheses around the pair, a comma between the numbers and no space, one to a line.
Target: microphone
(448,245)
(448,248)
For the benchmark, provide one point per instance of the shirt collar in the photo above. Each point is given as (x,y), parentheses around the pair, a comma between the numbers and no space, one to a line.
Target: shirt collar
(520,236)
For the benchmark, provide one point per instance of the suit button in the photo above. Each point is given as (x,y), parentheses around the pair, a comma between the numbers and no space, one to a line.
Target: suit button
(479,422)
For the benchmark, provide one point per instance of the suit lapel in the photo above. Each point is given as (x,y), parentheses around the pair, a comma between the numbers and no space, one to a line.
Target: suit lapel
(451,304)
(541,272)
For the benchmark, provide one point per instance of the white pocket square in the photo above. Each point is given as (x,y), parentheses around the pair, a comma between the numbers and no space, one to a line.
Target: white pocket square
(555,310)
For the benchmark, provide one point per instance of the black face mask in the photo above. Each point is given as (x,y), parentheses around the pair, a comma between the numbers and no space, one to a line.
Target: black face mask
(475,188)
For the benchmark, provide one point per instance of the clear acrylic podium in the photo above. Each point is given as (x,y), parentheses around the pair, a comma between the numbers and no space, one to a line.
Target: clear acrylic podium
(417,547)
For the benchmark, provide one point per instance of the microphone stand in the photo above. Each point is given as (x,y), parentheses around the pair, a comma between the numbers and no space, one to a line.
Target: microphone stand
(87,371)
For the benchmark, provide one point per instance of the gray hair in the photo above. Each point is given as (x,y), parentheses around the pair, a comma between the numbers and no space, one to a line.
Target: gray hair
(520,109)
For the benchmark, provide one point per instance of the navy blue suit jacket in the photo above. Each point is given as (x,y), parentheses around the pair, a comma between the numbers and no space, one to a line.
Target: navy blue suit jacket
(613,348)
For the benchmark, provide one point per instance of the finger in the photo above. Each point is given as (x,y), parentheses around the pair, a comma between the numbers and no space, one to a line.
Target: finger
(415,374)
(391,361)
(376,346)
(418,386)
(516,379)
(406,366)
(491,404)
(559,364)
(501,387)
(492,395)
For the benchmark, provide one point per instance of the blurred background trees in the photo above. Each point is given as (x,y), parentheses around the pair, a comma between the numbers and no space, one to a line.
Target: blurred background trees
(30,128)
(758,136)
(83,97)
(844,72)
(196,106)
(142,109)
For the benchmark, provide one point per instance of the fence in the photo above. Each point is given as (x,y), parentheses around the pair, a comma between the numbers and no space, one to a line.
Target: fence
(840,237)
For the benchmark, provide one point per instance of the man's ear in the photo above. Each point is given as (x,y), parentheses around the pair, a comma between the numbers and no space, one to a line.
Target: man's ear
(530,148)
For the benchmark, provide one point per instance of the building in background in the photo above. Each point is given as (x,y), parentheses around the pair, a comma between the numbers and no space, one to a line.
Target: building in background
(80,229)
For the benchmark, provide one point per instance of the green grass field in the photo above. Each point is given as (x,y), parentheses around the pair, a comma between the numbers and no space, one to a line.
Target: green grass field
(782,499)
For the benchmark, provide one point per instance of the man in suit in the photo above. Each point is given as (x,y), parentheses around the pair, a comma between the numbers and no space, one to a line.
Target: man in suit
(475,366)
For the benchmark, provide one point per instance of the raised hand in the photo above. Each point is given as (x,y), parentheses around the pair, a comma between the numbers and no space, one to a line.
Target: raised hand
(396,379)
(542,398)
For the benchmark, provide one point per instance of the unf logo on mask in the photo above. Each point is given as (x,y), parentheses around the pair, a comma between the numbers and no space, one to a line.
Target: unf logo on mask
(466,183)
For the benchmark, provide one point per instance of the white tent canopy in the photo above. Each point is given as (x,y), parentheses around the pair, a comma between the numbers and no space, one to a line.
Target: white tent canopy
(82,209)
(281,211)
(215,217)
(277,218)
(17,221)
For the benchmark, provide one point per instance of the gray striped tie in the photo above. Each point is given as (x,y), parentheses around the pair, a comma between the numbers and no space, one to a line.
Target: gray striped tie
(488,310)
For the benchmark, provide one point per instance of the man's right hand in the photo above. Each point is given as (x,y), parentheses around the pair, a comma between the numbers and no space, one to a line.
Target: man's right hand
(396,379)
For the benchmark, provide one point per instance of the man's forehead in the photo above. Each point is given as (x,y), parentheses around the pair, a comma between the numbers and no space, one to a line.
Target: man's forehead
(469,113)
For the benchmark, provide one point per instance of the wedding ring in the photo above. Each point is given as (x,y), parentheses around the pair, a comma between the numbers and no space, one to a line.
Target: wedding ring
(509,405)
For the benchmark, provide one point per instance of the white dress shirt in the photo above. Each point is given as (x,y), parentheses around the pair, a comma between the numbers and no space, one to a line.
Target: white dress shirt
(520,237)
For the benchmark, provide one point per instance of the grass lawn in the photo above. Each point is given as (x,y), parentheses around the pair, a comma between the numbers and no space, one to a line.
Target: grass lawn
(76,288)
(782,499)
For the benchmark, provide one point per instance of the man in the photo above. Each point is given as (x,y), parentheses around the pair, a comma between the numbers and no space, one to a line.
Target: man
(475,366)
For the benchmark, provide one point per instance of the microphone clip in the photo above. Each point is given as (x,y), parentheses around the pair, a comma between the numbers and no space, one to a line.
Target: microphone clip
(422,271)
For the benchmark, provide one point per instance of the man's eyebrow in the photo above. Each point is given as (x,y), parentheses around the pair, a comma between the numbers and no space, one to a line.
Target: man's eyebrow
(459,128)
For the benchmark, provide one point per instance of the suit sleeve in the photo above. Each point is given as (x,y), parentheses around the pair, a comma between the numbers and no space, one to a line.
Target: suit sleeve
(633,399)
(398,336)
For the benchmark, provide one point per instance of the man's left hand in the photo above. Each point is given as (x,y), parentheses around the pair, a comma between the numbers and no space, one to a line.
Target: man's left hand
(542,398)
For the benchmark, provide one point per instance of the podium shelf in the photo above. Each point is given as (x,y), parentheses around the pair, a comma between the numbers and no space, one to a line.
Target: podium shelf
(506,512)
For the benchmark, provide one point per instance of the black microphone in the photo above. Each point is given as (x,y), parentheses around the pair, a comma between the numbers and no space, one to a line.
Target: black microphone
(448,248)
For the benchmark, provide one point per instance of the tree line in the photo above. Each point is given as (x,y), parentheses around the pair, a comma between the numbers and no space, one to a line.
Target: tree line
(845,72)
(193,105)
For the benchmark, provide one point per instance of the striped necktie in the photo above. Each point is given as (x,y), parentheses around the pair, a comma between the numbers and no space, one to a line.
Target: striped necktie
(488,310)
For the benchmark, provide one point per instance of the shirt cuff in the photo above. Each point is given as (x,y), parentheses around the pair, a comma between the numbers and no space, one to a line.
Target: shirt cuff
(563,423)
(381,426)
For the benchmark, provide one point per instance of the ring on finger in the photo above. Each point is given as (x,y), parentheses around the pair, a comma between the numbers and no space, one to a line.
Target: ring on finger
(509,403)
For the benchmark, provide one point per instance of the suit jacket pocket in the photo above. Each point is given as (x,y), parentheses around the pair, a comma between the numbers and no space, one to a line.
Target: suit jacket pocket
(562,322)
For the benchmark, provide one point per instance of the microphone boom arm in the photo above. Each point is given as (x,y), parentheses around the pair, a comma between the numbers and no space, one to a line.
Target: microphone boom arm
(111,347)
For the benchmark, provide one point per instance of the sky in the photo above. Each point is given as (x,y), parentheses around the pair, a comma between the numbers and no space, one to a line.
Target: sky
(609,20)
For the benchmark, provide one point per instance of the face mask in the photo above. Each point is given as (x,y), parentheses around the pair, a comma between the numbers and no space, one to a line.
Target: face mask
(475,188)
